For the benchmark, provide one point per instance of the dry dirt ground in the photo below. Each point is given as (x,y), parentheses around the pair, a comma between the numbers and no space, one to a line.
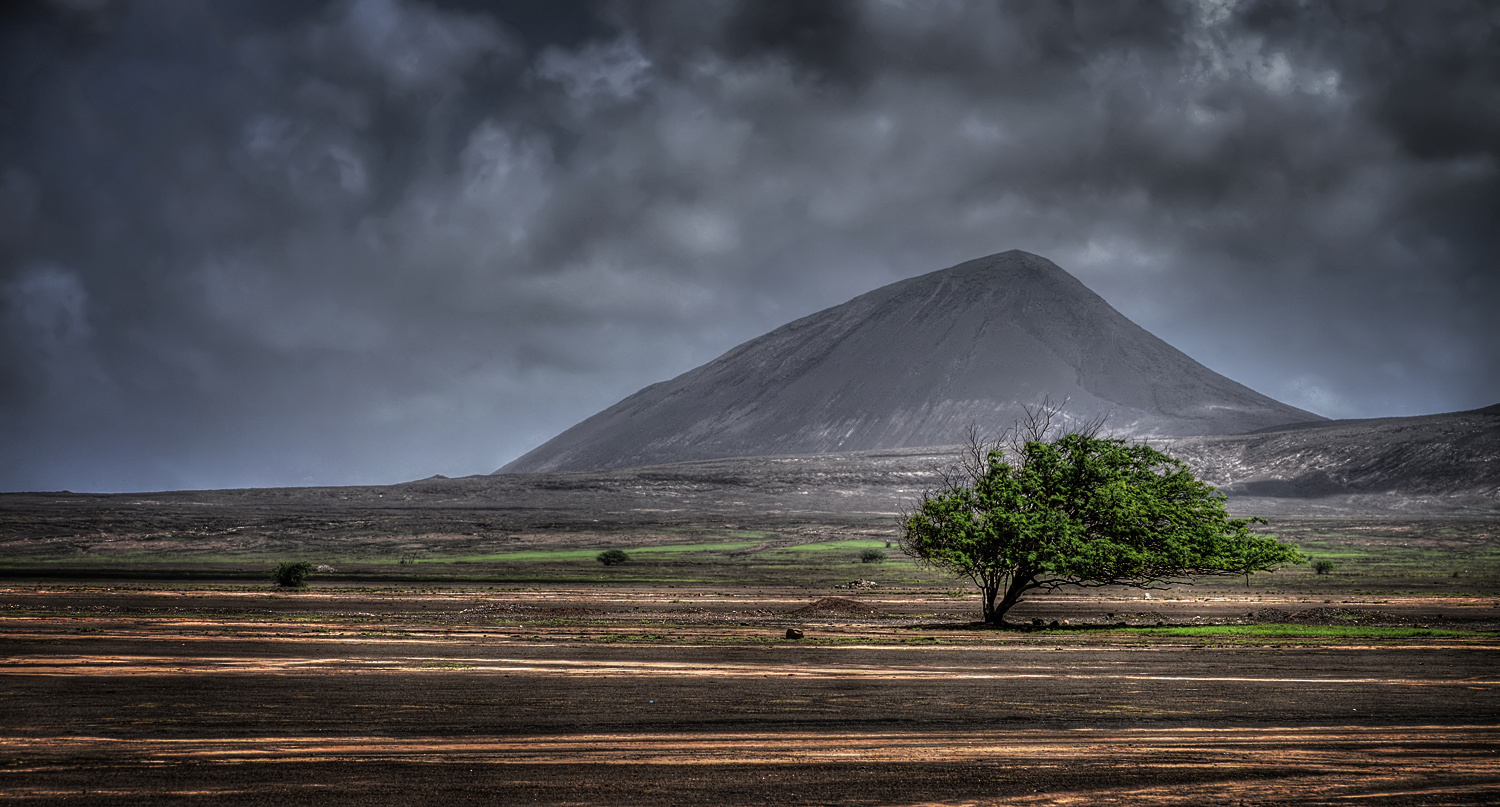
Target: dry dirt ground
(658,695)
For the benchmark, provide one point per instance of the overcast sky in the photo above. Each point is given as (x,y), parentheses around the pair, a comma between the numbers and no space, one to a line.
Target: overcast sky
(290,243)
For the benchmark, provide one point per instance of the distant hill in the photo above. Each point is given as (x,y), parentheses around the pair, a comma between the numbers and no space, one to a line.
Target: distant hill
(1428,455)
(913,364)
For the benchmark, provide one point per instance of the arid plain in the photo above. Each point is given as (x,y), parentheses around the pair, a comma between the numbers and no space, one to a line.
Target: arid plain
(458,651)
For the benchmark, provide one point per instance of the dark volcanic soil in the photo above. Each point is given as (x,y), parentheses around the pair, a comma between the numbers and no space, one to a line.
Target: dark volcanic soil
(686,697)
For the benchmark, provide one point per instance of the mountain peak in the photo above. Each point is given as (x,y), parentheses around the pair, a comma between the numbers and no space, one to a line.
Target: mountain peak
(915,363)
(1002,268)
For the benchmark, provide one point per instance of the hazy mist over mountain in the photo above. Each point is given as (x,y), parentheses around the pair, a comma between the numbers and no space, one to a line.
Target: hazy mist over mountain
(362,241)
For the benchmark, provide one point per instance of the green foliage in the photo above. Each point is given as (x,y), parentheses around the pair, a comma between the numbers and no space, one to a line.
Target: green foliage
(872,556)
(292,574)
(1080,510)
(1323,566)
(1285,631)
(611,557)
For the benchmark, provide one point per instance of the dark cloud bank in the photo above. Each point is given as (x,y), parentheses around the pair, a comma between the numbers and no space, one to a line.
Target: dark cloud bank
(252,243)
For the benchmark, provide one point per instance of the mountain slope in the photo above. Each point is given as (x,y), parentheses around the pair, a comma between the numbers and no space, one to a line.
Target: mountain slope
(914,364)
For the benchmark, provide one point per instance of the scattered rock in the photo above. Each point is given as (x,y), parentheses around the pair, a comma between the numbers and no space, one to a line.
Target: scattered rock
(836,606)
(526,610)
(324,568)
(1328,616)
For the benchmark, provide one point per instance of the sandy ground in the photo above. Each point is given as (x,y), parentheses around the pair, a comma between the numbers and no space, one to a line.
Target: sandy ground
(685,697)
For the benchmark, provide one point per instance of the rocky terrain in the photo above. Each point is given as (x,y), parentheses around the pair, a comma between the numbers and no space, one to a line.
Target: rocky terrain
(1385,462)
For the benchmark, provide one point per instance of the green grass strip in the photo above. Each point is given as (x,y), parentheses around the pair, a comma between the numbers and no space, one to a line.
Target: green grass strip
(1286,631)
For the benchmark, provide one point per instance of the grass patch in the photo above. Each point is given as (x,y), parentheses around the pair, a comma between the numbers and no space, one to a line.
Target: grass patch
(1286,631)
(688,638)
(578,555)
(851,546)
(723,546)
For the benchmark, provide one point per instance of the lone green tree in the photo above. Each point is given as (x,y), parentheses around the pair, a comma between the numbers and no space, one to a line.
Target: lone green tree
(1046,512)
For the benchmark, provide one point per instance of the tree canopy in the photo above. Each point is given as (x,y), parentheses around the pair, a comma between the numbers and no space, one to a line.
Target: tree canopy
(1079,510)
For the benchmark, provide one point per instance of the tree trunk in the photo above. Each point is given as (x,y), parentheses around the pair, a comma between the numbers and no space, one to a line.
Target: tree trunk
(988,592)
(995,613)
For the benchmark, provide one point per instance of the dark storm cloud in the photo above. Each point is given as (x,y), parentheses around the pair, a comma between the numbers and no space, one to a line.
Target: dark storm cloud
(370,240)
(821,37)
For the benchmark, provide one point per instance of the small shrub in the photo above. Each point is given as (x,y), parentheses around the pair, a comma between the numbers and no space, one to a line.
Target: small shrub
(1323,566)
(872,556)
(610,557)
(292,574)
